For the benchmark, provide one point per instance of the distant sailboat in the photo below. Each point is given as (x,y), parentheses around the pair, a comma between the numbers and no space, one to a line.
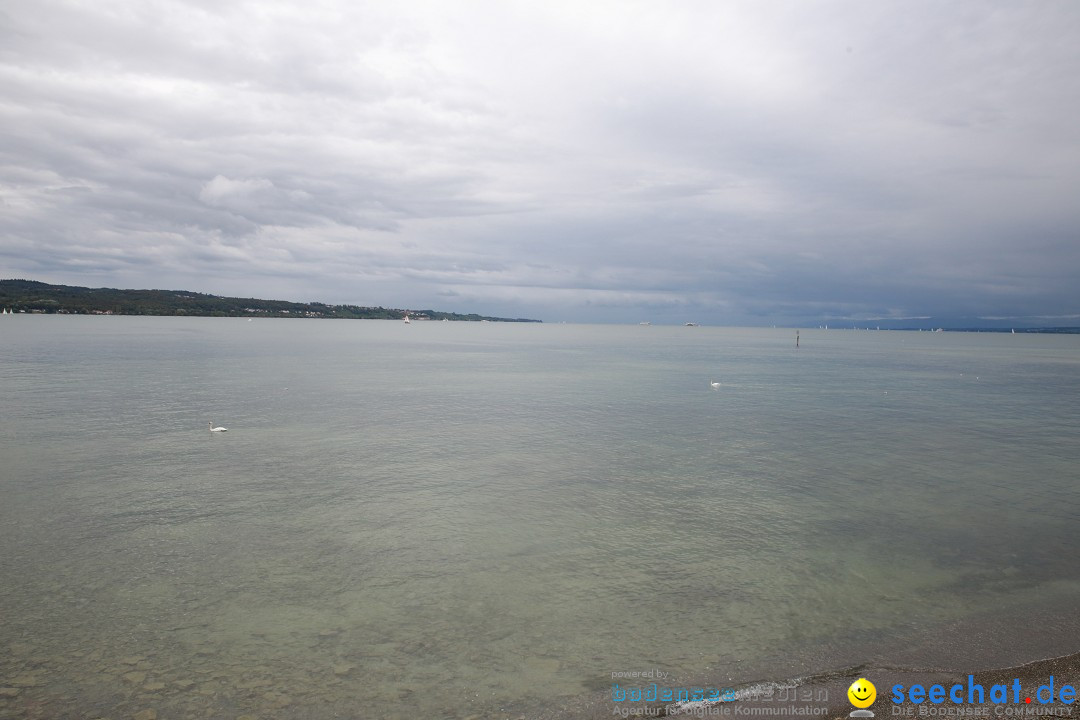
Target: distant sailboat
(407,320)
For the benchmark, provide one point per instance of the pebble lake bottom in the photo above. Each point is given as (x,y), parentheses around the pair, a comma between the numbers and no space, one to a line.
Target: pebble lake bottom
(484,520)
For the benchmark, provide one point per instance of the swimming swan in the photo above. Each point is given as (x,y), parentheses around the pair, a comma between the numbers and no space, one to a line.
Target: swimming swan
(714,385)
(216,429)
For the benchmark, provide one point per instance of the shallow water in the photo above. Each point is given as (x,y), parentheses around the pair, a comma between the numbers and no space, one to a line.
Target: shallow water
(449,519)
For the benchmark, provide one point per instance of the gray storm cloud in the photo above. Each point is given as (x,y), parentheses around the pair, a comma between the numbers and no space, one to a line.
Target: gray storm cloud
(737,162)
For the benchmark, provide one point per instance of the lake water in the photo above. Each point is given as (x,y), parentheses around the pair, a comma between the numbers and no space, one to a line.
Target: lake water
(447,520)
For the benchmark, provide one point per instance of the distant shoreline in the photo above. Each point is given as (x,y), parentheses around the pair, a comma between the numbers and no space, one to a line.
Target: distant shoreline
(31,296)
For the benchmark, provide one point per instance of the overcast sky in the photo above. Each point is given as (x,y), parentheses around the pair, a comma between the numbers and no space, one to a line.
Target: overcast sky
(750,162)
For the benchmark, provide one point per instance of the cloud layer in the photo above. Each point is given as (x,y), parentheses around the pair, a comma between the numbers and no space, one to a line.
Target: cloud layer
(731,162)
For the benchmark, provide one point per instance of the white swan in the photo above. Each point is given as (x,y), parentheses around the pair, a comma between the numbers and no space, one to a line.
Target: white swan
(714,385)
(216,429)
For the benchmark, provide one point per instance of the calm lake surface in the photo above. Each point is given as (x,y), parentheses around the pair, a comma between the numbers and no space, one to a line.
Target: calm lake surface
(447,520)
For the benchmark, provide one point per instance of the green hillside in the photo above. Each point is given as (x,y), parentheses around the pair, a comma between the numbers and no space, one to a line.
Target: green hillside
(37,297)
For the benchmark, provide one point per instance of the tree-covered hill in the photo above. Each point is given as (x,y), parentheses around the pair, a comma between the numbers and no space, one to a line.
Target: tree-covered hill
(37,297)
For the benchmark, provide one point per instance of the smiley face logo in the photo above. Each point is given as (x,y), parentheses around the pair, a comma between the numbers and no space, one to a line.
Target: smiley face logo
(862,693)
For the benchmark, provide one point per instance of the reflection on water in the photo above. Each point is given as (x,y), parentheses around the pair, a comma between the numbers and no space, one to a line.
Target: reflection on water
(452,519)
